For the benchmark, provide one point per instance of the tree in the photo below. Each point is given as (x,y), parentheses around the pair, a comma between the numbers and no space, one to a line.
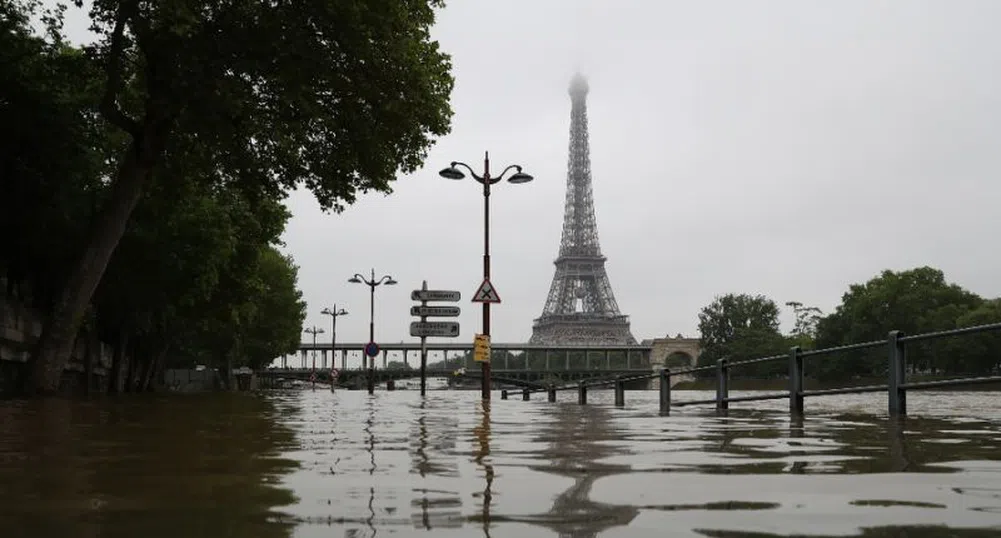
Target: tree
(168,260)
(262,96)
(51,162)
(807,318)
(739,327)
(187,245)
(978,353)
(255,312)
(914,301)
(277,325)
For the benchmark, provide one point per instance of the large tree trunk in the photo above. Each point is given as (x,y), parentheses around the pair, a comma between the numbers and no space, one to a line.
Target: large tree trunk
(156,359)
(139,362)
(88,362)
(56,341)
(156,383)
(130,371)
(117,359)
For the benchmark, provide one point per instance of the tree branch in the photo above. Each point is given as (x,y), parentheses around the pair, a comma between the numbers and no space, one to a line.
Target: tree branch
(113,85)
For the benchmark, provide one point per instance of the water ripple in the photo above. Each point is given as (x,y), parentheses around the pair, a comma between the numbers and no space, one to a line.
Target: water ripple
(452,464)
(316,463)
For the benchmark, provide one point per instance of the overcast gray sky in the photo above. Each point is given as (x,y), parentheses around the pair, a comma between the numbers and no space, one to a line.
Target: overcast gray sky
(788,148)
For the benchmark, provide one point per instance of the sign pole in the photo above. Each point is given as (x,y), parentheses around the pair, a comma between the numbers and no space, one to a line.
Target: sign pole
(439,329)
(424,348)
(485,365)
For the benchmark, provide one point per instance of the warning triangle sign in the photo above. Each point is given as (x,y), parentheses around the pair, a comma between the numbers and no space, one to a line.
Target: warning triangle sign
(486,293)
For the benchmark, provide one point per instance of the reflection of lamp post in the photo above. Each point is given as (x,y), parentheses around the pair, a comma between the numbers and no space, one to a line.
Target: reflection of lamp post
(486,180)
(482,433)
(333,312)
(371,283)
(314,330)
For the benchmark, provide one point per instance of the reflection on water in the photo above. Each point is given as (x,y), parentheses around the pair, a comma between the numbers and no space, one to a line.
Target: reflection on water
(482,434)
(143,466)
(318,463)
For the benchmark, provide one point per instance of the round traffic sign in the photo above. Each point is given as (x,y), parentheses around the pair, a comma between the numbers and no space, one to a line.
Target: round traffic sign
(371,349)
(334,373)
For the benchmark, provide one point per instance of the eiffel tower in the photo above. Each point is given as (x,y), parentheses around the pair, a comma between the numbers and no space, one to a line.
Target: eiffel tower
(581,308)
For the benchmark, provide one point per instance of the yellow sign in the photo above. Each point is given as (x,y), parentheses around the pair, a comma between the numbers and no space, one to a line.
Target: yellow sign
(481,348)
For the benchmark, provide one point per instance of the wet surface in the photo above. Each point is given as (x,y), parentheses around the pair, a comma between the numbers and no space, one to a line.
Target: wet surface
(305,464)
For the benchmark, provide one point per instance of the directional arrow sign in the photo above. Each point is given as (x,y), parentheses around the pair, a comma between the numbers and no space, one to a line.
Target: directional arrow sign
(435,295)
(446,329)
(435,311)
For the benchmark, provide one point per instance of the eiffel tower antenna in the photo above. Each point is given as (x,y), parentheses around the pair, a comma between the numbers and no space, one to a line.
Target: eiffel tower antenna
(580,308)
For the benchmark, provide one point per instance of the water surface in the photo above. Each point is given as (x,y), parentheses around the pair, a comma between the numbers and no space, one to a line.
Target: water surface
(316,463)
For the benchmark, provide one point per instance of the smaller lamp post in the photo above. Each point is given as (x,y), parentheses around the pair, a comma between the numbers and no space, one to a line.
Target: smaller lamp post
(314,330)
(333,312)
(372,283)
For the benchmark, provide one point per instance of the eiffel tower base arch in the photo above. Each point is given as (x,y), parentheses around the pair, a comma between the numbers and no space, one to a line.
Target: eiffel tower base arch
(581,330)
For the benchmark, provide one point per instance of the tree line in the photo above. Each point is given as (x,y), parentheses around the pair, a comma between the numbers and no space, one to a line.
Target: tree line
(142,176)
(919,300)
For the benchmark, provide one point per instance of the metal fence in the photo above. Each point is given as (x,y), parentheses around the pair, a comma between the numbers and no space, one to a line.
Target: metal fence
(896,386)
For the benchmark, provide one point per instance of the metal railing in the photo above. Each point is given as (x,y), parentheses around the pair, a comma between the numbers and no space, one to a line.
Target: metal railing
(896,386)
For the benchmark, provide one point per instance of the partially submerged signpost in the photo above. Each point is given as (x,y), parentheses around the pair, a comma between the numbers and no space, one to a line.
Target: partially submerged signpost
(425,328)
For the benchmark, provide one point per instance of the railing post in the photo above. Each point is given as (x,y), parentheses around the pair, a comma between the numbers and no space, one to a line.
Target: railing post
(796,381)
(620,392)
(552,394)
(665,392)
(504,394)
(897,394)
(722,385)
(525,394)
(582,393)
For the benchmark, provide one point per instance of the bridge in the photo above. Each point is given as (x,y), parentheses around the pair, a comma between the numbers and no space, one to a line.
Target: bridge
(502,378)
(519,362)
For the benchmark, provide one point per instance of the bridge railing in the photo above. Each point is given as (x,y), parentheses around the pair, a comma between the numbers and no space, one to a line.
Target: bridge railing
(509,356)
(896,386)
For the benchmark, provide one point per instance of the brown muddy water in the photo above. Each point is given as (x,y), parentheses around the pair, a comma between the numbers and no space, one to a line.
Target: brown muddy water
(346,464)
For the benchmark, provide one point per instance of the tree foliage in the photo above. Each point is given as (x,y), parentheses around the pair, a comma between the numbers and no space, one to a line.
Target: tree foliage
(806,320)
(250,99)
(914,301)
(50,156)
(149,167)
(740,327)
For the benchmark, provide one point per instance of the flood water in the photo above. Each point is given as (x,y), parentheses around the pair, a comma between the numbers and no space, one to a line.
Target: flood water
(346,464)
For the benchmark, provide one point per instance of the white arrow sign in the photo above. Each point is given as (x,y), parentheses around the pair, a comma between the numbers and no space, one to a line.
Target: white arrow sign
(434,295)
(435,311)
(446,329)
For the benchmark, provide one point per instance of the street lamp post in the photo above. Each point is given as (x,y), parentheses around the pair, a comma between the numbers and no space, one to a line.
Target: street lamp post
(372,283)
(452,172)
(333,312)
(314,330)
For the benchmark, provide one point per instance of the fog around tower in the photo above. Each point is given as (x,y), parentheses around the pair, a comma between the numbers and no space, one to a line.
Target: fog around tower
(789,151)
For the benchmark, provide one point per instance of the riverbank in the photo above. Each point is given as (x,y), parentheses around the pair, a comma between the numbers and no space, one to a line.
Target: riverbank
(90,368)
(781,384)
